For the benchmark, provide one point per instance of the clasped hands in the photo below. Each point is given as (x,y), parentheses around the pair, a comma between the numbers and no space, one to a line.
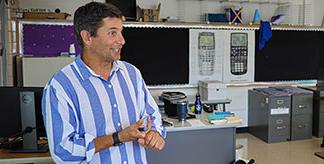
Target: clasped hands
(149,139)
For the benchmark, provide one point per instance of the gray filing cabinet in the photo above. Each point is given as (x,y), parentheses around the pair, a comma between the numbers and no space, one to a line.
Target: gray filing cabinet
(318,128)
(301,112)
(318,111)
(269,114)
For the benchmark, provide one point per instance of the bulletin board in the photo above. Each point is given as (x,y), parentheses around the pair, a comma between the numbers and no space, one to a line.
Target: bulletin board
(161,54)
(47,40)
(289,55)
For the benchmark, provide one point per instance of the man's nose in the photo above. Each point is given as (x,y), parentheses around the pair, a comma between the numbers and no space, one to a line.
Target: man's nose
(121,39)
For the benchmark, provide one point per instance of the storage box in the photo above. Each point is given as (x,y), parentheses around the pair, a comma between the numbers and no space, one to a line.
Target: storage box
(212,90)
(216,17)
(151,15)
(45,15)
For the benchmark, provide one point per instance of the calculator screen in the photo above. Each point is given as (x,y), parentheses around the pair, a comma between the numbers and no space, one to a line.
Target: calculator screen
(239,39)
(206,40)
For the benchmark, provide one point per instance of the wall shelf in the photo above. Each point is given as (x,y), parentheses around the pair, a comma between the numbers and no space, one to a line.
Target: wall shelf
(246,1)
(255,2)
(219,26)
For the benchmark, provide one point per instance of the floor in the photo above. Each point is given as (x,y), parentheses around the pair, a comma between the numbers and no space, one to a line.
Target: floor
(290,152)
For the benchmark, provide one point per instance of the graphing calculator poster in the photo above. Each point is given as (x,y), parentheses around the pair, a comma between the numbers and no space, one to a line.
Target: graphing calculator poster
(206,55)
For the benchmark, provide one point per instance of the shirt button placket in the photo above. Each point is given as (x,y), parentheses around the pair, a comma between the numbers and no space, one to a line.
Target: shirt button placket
(115,106)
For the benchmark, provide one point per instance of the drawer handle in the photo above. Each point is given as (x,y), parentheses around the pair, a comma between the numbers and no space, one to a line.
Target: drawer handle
(281,127)
(279,121)
(301,106)
(300,126)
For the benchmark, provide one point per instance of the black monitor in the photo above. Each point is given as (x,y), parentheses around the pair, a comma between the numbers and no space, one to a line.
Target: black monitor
(21,116)
(10,122)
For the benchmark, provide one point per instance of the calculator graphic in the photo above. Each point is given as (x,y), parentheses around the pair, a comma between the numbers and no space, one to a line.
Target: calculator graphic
(239,53)
(206,48)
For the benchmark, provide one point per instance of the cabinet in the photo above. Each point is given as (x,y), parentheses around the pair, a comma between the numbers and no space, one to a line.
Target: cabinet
(318,116)
(318,111)
(269,115)
(301,112)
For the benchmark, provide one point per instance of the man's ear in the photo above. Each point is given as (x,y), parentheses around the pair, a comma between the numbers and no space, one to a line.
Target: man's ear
(86,37)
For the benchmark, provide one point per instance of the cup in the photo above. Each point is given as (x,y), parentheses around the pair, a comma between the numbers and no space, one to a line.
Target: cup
(182,109)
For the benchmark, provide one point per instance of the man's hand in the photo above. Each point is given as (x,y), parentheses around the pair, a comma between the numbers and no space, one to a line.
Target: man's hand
(152,138)
(131,132)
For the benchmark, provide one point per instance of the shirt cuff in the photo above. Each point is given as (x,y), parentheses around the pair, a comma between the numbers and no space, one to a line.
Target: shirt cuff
(89,141)
(160,130)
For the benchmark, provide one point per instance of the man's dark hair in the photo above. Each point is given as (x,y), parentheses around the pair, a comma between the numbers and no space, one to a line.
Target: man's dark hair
(89,17)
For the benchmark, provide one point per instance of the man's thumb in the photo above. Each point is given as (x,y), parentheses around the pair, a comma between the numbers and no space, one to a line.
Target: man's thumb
(139,123)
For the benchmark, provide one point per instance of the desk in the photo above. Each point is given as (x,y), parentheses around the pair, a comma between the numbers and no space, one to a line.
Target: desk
(16,158)
(199,144)
(185,144)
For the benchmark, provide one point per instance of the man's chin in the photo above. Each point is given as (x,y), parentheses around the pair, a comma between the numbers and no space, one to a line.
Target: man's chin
(117,57)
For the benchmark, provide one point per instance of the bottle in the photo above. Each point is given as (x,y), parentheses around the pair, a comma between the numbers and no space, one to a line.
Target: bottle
(197,104)
(72,50)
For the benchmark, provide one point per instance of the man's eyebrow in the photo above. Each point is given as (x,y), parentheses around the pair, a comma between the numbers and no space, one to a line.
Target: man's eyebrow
(114,28)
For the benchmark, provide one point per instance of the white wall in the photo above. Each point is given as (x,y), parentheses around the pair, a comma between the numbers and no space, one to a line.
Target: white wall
(192,10)
(66,6)
(318,12)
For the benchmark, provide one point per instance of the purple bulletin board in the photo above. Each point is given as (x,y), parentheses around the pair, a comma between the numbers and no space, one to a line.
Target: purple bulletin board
(47,40)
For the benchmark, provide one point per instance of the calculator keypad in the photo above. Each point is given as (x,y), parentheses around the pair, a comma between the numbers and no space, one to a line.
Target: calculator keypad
(239,60)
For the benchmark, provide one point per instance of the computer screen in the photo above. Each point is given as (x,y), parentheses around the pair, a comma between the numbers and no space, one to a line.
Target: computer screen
(10,112)
(10,121)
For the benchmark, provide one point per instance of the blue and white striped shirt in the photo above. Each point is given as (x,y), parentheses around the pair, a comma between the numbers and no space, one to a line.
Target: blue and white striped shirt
(78,106)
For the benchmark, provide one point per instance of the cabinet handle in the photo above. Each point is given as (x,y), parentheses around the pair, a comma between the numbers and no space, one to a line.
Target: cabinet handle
(280,121)
(301,106)
(281,127)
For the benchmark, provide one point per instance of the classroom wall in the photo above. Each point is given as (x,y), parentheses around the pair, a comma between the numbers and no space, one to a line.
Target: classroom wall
(66,6)
(191,10)
(318,12)
(188,10)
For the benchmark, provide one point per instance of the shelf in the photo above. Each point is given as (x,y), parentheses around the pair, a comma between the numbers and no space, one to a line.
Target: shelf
(219,26)
(246,1)
(255,2)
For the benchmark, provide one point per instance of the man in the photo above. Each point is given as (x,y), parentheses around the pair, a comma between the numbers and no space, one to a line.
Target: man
(94,107)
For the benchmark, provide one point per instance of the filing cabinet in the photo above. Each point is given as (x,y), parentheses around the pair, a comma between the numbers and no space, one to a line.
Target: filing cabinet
(318,128)
(318,111)
(301,127)
(269,114)
(301,112)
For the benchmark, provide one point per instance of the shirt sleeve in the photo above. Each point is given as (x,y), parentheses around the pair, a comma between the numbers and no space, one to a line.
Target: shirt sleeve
(65,142)
(152,109)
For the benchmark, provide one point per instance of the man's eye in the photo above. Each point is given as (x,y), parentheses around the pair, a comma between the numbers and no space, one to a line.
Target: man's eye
(112,33)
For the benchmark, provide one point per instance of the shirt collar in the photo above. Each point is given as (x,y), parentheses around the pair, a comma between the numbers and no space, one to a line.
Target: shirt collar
(86,72)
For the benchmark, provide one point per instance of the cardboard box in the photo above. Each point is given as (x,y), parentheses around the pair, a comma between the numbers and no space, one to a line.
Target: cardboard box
(45,15)
(151,15)
(212,90)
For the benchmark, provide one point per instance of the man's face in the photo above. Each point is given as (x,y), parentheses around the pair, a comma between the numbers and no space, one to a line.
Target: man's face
(108,42)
